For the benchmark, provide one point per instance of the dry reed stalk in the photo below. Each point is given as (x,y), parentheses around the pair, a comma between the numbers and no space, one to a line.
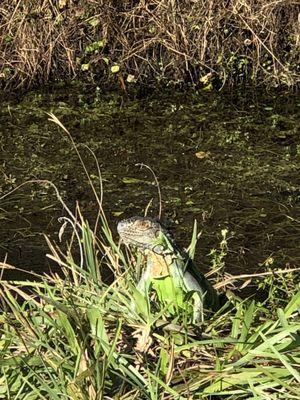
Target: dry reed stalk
(154,40)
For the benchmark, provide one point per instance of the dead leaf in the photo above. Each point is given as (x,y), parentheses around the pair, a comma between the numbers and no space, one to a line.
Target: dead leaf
(203,154)
(144,340)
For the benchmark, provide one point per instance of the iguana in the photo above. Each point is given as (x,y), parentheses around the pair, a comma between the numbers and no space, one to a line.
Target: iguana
(169,270)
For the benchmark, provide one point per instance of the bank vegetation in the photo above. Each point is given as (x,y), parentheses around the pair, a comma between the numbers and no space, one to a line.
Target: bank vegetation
(76,337)
(206,43)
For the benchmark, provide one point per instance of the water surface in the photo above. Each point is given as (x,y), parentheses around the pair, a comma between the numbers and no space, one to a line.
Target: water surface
(228,160)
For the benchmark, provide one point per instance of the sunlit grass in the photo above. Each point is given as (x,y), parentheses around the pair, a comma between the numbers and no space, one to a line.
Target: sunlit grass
(76,337)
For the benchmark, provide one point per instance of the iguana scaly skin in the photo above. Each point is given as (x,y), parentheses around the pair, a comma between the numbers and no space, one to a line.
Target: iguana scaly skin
(169,270)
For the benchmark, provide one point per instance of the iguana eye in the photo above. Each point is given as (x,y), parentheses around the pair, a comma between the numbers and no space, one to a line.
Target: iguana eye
(142,224)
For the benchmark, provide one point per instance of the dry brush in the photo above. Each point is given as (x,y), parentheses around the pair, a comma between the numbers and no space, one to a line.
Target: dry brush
(149,41)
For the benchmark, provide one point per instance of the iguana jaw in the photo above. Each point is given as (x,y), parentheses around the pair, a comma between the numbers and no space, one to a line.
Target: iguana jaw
(159,264)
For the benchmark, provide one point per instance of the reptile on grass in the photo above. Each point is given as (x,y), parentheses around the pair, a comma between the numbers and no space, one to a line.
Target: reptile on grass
(169,270)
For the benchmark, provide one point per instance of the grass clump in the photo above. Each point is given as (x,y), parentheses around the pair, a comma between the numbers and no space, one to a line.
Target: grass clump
(76,337)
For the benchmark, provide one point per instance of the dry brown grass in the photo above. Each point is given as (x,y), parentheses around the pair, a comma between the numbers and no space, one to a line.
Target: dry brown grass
(154,40)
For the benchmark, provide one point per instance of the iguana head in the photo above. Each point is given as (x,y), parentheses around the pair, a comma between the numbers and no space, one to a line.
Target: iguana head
(144,233)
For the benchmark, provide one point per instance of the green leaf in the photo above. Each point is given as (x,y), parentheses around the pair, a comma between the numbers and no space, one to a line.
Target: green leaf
(131,180)
(219,385)
(94,22)
(164,361)
(130,78)
(85,67)
(246,325)
(115,68)
(93,47)
(283,337)
(141,303)
(293,305)
(117,213)
(63,321)
(97,325)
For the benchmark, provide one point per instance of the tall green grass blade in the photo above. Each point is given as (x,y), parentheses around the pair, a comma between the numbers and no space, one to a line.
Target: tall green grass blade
(166,388)
(274,339)
(279,378)
(287,365)
(89,253)
(246,326)
(293,305)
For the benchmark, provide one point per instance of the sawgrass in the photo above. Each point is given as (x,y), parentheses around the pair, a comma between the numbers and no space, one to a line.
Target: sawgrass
(76,337)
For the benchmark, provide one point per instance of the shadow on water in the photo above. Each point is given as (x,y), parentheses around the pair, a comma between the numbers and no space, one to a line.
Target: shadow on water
(229,161)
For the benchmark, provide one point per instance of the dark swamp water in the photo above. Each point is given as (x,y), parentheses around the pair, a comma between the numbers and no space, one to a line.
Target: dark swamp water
(229,161)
